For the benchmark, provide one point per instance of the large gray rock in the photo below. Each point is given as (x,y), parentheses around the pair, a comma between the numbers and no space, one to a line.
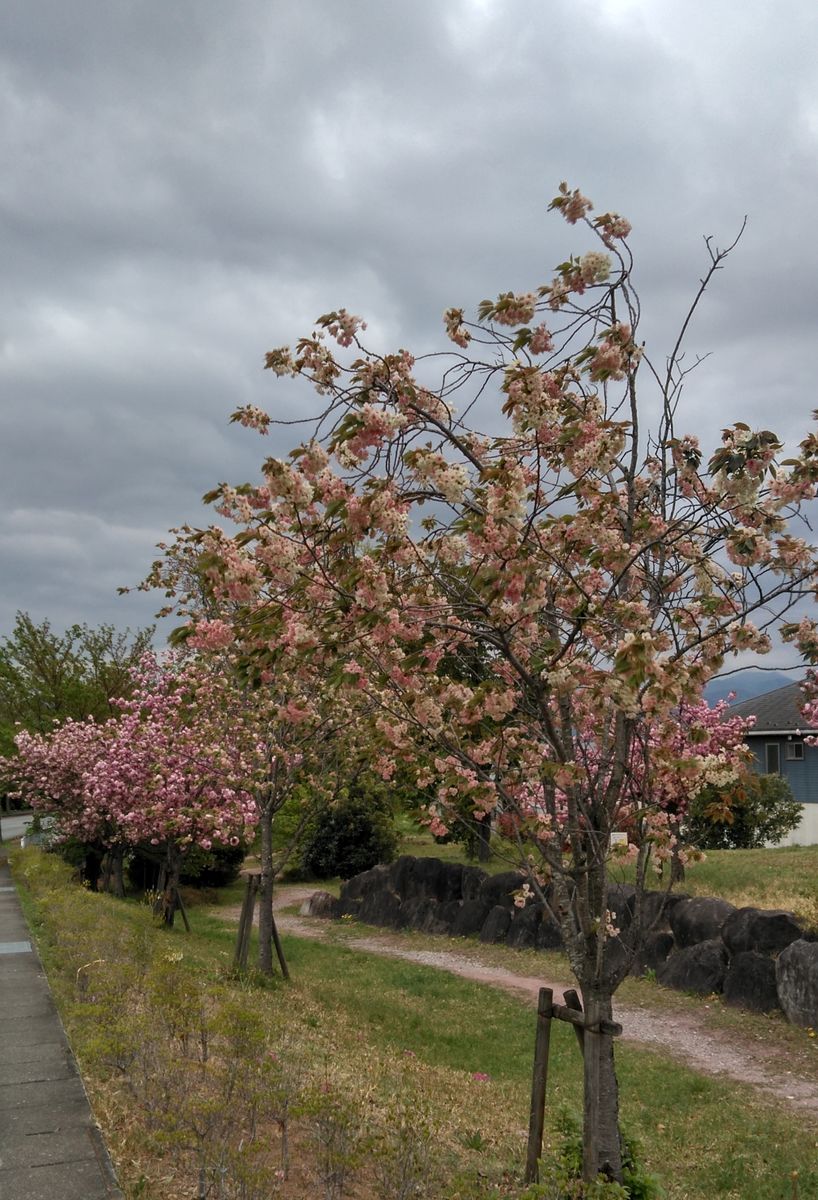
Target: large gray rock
(548,934)
(500,889)
(412,878)
(495,926)
(621,897)
(381,908)
(448,912)
(348,906)
(440,880)
(657,907)
(533,928)
(364,884)
(472,880)
(427,915)
(750,982)
(426,879)
(768,931)
(796,973)
(653,952)
(471,918)
(699,968)
(699,920)
(401,872)
(451,883)
(522,933)
(320,904)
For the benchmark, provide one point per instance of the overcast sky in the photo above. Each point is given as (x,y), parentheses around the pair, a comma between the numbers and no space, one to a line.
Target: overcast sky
(186,184)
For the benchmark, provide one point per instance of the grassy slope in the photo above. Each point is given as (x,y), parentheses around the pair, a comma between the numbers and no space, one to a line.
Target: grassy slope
(705,1139)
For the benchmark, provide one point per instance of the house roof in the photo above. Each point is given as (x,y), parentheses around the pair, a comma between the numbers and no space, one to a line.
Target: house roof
(778,711)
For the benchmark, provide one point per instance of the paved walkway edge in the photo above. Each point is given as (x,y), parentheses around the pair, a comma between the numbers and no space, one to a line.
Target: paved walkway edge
(54,1103)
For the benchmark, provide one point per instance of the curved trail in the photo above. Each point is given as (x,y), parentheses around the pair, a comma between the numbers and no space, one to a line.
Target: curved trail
(682,1034)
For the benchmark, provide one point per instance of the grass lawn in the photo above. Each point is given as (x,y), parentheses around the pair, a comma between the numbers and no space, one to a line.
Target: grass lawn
(383,1029)
(783,878)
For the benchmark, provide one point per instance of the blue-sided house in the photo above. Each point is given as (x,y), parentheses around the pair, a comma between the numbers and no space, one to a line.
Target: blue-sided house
(777,741)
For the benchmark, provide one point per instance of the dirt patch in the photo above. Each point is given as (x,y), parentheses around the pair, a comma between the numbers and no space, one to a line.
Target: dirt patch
(684,1034)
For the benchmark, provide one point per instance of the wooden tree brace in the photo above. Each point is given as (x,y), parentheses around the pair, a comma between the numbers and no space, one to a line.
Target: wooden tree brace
(246,923)
(538,1085)
(246,928)
(570,1012)
(563,1013)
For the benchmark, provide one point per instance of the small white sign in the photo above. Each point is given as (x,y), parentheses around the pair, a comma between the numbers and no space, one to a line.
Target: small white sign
(619,839)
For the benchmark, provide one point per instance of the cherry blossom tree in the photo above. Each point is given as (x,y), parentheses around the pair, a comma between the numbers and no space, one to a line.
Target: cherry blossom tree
(50,772)
(557,523)
(289,740)
(172,771)
(176,774)
(708,750)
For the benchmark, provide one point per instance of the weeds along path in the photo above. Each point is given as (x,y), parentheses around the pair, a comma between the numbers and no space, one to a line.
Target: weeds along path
(784,1072)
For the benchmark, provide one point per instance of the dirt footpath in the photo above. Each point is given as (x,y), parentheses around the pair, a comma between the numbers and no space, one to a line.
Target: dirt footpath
(683,1034)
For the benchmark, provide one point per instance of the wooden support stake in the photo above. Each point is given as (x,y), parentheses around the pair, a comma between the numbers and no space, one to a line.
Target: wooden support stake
(538,1085)
(591,1082)
(182,910)
(279,950)
(248,928)
(572,1000)
(245,908)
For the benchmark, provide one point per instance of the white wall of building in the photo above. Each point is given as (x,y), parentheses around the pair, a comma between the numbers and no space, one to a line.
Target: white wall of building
(806,831)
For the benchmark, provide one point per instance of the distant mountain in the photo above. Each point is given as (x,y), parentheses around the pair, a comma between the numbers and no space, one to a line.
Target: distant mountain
(748,684)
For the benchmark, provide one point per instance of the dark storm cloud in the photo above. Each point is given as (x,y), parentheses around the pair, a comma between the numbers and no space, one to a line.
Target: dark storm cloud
(186,185)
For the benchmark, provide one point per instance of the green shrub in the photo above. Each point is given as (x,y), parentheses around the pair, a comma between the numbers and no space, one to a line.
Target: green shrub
(761,810)
(353,834)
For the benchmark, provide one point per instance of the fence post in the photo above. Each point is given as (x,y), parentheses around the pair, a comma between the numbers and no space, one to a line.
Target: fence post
(538,1085)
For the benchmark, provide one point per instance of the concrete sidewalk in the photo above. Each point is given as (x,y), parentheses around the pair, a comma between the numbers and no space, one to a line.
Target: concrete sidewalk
(50,1147)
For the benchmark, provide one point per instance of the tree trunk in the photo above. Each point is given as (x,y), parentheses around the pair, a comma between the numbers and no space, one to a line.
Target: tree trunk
(171,889)
(602,1146)
(484,839)
(265,895)
(677,867)
(92,867)
(117,871)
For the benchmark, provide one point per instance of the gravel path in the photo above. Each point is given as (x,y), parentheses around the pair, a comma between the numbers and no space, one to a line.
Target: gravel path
(681,1034)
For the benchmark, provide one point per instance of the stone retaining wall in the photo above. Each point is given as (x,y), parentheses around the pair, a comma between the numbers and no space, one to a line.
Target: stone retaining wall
(757,959)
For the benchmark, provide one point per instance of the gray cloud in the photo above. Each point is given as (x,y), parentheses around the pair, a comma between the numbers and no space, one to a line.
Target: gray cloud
(187,185)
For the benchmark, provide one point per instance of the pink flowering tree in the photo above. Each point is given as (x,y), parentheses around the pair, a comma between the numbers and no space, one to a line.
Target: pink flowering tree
(302,750)
(50,772)
(293,743)
(707,749)
(527,497)
(175,775)
(290,740)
